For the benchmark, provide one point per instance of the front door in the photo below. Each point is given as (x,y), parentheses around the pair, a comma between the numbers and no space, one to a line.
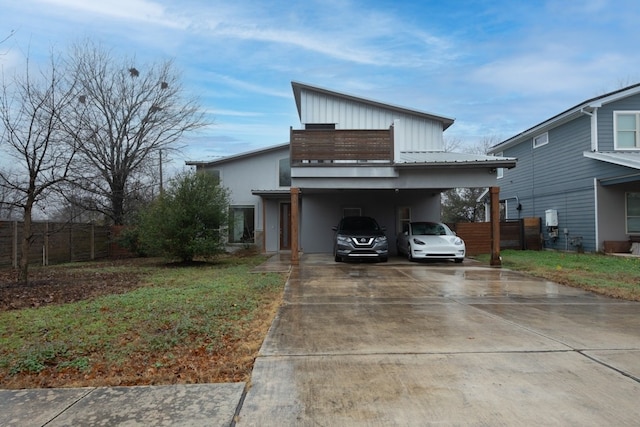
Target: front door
(285,226)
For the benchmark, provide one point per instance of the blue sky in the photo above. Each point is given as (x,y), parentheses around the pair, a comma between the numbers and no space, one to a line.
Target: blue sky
(497,67)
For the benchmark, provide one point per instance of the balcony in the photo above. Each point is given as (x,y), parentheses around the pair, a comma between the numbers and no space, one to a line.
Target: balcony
(341,147)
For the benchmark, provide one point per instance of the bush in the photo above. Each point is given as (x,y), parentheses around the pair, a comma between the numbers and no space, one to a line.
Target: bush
(186,220)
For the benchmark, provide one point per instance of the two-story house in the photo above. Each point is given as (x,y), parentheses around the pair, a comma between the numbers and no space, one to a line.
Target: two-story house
(351,156)
(579,171)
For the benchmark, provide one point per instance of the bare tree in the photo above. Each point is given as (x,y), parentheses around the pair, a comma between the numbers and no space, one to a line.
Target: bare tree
(133,112)
(33,110)
(461,204)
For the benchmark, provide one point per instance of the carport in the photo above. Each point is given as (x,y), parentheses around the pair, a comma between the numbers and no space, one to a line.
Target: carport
(321,192)
(357,156)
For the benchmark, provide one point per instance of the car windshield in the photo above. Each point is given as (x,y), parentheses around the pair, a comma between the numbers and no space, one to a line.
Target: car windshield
(429,229)
(359,223)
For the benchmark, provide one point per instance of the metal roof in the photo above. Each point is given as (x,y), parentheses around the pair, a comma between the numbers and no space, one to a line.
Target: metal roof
(233,157)
(448,159)
(630,159)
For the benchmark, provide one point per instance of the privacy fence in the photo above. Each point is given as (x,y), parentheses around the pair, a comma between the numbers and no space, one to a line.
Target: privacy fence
(519,234)
(55,243)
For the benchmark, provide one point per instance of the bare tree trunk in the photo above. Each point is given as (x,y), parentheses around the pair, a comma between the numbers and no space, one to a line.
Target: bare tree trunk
(23,272)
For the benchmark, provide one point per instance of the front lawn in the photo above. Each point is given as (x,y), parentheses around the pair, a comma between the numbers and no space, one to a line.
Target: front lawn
(136,322)
(610,275)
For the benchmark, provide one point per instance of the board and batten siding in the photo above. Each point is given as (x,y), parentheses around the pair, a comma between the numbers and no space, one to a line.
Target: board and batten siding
(411,133)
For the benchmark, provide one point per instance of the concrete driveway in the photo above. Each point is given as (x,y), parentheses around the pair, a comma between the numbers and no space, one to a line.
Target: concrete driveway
(423,344)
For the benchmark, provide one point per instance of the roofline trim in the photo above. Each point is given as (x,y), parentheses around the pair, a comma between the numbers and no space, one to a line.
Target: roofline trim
(298,86)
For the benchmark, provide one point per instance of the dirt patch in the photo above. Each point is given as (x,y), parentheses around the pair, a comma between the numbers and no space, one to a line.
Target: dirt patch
(54,285)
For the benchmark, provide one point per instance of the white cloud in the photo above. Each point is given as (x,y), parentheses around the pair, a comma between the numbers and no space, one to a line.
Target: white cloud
(134,10)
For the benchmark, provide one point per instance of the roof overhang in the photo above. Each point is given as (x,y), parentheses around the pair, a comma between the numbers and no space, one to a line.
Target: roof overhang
(272,194)
(239,156)
(447,160)
(629,159)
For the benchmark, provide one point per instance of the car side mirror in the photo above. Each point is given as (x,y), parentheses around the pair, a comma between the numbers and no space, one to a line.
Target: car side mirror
(334,228)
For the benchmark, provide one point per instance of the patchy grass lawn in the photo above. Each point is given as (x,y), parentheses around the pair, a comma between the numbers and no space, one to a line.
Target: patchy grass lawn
(136,322)
(614,276)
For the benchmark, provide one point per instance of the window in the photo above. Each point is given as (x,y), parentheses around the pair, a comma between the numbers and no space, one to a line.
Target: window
(241,224)
(633,212)
(541,140)
(499,171)
(284,172)
(404,218)
(626,130)
(215,173)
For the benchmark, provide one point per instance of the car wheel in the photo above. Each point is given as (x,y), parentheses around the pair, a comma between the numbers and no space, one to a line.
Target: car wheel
(384,259)
(458,260)
(409,256)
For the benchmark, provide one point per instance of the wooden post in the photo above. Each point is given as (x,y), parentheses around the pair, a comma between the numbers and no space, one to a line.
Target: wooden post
(495,226)
(295,214)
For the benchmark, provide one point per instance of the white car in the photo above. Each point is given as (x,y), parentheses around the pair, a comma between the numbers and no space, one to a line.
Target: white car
(430,240)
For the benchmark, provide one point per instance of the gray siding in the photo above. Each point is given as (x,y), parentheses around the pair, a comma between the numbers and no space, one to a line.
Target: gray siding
(320,212)
(259,172)
(558,176)
(555,176)
(605,120)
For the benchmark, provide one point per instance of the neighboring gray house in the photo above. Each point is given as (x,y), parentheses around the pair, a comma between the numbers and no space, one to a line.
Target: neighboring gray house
(579,171)
(352,156)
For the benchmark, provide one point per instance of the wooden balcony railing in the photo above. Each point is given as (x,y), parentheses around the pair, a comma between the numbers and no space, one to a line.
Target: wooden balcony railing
(339,147)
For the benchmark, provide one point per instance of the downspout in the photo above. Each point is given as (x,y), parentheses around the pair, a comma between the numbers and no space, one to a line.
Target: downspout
(594,125)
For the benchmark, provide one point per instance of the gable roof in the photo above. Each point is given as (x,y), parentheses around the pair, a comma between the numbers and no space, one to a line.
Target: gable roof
(585,107)
(299,87)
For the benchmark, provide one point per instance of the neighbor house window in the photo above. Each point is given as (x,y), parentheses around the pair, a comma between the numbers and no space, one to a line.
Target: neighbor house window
(499,171)
(241,224)
(284,172)
(541,140)
(627,130)
(633,213)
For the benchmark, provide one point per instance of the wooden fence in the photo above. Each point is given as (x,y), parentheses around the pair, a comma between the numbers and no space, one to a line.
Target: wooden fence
(514,234)
(55,243)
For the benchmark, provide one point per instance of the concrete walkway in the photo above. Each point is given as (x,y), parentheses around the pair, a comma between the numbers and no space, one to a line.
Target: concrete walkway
(398,343)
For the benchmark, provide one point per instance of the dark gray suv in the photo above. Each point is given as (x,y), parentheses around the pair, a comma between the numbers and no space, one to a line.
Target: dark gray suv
(360,237)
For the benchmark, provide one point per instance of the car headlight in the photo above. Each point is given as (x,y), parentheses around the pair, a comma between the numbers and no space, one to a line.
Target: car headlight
(458,241)
(343,239)
(418,242)
(381,239)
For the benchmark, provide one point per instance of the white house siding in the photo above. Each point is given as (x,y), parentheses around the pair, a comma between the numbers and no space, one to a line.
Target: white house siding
(411,133)
(321,211)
